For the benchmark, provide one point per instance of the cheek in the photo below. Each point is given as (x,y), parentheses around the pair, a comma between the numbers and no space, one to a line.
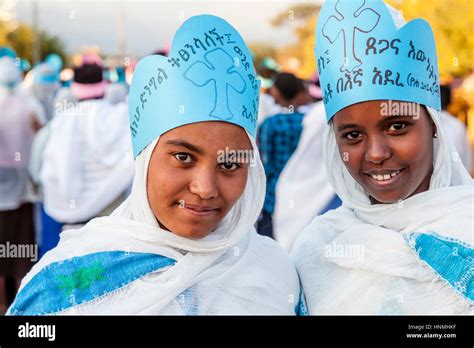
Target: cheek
(231,188)
(352,157)
(163,187)
(415,150)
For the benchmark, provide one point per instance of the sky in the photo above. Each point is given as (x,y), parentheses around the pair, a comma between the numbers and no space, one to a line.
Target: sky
(149,25)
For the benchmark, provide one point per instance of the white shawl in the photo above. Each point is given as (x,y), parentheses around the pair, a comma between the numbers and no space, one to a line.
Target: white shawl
(87,160)
(303,189)
(231,271)
(359,259)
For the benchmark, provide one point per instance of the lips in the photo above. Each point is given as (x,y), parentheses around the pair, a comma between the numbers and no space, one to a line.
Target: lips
(383,177)
(199,210)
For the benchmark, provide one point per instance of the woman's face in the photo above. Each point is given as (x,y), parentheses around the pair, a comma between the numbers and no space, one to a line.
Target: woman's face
(190,188)
(389,155)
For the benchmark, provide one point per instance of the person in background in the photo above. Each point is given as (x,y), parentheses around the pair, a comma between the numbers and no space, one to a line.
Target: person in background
(303,190)
(44,87)
(93,170)
(278,137)
(49,229)
(268,70)
(455,130)
(117,90)
(18,124)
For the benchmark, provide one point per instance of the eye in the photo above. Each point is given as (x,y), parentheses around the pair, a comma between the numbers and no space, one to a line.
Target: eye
(183,157)
(229,166)
(352,135)
(396,127)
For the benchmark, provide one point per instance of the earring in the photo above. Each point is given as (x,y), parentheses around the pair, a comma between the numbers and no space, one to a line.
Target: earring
(436,134)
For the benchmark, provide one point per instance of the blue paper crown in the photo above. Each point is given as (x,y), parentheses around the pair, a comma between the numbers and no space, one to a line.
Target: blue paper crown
(362,56)
(7,52)
(207,76)
(45,74)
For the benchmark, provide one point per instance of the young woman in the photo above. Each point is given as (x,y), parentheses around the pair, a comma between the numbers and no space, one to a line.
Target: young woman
(183,242)
(402,241)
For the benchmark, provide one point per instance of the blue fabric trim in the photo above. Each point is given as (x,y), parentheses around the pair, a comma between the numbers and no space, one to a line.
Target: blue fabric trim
(71,282)
(189,302)
(301,308)
(451,259)
(333,204)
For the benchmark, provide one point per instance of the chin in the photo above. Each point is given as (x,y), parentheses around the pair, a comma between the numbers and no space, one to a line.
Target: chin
(387,198)
(192,232)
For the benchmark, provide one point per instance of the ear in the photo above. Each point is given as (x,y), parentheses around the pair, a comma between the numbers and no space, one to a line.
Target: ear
(433,125)
(435,130)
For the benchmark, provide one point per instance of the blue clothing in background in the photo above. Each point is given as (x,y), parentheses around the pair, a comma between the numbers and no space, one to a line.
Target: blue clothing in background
(277,138)
(50,231)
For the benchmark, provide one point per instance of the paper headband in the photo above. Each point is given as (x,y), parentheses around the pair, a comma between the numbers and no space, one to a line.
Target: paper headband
(362,56)
(207,76)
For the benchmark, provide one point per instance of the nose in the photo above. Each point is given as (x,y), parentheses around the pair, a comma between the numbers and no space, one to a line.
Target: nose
(377,150)
(204,184)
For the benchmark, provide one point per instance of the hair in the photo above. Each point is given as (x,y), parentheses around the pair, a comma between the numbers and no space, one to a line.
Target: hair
(288,85)
(445,92)
(88,74)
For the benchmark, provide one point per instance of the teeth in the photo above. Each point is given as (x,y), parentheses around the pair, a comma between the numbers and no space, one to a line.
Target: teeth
(384,177)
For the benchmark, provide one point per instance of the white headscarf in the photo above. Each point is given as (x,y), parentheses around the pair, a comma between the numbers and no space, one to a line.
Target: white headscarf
(230,271)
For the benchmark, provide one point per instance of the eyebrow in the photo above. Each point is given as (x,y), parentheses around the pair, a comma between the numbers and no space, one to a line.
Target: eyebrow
(184,143)
(383,121)
(346,126)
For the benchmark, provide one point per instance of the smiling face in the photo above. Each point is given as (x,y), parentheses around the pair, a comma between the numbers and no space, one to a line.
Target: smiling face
(190,188)
(391,157)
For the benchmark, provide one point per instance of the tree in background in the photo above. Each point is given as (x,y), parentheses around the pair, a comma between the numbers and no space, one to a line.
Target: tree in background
(452,22)
(21,38)
(298,58)
(453,26)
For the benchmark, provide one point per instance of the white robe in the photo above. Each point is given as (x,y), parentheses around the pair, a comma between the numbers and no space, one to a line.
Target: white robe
(303,189)
(16,135)
(87,161)
(456,131)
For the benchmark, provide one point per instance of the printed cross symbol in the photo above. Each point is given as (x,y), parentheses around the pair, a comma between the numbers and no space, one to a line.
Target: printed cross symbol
(350,18)
(218,69)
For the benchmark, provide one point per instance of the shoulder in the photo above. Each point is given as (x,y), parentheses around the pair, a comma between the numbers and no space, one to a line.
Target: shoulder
(66,283)
(318,234)
(272,260)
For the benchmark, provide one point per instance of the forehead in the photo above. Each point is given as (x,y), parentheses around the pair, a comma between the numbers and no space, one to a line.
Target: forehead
(210,133)
(376,111)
